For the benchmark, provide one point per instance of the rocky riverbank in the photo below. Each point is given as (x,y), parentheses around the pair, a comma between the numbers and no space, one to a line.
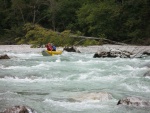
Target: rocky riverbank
(87,49)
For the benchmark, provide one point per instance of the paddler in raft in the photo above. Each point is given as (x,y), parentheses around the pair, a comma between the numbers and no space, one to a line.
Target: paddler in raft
(50,47)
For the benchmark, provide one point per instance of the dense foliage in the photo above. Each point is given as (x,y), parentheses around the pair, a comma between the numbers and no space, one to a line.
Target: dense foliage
(40,21)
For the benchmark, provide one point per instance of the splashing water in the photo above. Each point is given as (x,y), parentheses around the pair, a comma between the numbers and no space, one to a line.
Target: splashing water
(51,84)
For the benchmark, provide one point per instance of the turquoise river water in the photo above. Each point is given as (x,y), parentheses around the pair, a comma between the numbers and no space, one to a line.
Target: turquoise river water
(72,82)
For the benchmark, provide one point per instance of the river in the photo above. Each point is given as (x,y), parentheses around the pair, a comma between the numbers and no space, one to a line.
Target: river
(71,82)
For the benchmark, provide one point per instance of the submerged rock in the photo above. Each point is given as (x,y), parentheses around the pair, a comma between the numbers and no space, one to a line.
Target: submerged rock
(145,65)
(134,101)
(71,49)
(4,57)
(101,96)
(147,73)
(19,109)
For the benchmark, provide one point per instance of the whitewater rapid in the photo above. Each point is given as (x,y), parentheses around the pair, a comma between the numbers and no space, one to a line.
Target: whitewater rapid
(71,82)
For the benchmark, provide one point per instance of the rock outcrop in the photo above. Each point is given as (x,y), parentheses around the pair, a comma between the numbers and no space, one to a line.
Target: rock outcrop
(71,49)
(134,101)
(4,57)
(113,54)
(19,109)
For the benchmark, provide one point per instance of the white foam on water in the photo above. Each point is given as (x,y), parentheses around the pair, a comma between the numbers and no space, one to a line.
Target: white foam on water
(129,68)
(2,66)
(126,67)
(32,79)
(136,88)
(83,77)
(30,110)
(58,60)
(143,88)
(42,65)
(109,78)
(89,61)
(79,61)
(70,69)
(8,93)
(77,106)
(91,77)
(140,69)
(126,86)
(24,67)
(22,80)
(19,60)
(96,75)
(72,77)
(16,67)
(148,77)
(24,55)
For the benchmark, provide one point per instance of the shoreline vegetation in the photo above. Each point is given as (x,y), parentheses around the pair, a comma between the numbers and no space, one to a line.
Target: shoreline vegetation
(38,36)
(62,21)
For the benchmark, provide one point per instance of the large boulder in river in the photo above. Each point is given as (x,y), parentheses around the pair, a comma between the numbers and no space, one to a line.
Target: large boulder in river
(71,49)
(134,101)
(4,57)
(19,109)
(100,96)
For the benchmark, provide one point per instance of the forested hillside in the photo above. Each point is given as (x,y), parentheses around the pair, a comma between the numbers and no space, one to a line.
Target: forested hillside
(41,21)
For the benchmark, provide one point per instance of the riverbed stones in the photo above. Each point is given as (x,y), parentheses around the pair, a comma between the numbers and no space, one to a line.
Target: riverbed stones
(4,56)
(134,101)
(19,109)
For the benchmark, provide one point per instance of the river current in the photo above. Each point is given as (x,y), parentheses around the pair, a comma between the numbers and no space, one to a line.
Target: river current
(71,82)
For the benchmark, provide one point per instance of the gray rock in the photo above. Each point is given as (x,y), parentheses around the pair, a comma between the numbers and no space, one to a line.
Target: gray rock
(19,109)
(4,57)
(71,49)
(146,53)
(101,96)
(134,101)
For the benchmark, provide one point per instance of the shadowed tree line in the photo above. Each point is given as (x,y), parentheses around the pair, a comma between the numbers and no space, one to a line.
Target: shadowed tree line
(40,21)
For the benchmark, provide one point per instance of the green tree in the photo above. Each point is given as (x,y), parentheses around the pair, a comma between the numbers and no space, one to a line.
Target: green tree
(98,18)
(118,20)
(66,15)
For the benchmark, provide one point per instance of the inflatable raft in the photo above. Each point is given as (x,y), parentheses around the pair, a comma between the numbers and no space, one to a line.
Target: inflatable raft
(51,53)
